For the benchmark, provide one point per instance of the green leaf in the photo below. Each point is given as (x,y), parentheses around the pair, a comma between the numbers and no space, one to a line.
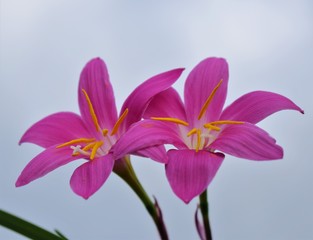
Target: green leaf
(26,228)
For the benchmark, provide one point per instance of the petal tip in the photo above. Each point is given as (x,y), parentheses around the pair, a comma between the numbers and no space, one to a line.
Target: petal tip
(186,200)
(20,183)
(94,62)
(86,197)
(22,140)
(82,194)
(177,72)
(215,59)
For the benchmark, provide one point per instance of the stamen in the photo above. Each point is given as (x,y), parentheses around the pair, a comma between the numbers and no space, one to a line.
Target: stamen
(105,132)
(92,111)
(198,140)
(78,140)
(212,127)
(173,120)
(89,146)
(119,121)
(94,149)
(191,132)
(209,99)
(225,122)
(198,132)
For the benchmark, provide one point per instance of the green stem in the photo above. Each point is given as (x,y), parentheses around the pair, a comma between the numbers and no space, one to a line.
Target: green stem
(204,208)
(26,228)
(124,169)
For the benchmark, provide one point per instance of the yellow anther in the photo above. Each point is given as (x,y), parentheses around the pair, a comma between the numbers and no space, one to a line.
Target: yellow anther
(212,127)
(92,111)
(89,146)
(225,122)
(105,132)
(209,99)
(95,149)
(198,140)
(198,132)
(78,140)
(119,121)
(191,132)
(173,120)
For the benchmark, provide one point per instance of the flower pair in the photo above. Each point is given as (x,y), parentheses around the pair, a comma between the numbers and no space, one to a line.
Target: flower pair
(198,128)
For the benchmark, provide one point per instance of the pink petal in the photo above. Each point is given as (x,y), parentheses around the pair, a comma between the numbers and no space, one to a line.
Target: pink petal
(247,141)
(157,153)
(94,79)
(147,133)
(255,106)
(200,84)
(89,177)
(137,101)
(45,162)
(189,172)
(55,129)
(166,104)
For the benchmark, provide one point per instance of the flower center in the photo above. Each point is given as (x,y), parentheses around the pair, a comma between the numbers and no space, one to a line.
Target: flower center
(201,137)
(92,147)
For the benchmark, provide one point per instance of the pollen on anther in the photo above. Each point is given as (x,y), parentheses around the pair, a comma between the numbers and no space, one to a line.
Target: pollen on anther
(105,132)
(208,101)
(119,121)
(89,146)
(198,140)
(191,132)
(211,127)
(74,141)
(95,149)
(169,119)
(91,110)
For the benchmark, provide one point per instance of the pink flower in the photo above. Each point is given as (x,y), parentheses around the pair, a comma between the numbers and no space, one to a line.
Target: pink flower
(198,128)
(67,136)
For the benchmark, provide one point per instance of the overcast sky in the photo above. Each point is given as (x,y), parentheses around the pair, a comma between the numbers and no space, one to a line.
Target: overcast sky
(268,45)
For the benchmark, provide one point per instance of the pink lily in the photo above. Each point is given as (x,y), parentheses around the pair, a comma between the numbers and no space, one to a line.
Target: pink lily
(198,128)
(67,136)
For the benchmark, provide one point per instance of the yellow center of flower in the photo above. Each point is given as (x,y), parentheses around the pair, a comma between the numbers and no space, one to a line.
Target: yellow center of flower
(202,136)
(91,147)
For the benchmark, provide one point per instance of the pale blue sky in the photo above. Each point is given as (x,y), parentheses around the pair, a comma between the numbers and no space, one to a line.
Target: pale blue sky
(268,45)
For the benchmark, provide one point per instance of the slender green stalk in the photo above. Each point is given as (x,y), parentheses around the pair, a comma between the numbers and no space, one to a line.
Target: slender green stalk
(25,228)
(204,208)
(125,170)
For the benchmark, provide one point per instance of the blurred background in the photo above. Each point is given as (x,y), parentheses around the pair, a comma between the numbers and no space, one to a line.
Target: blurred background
(268,45)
